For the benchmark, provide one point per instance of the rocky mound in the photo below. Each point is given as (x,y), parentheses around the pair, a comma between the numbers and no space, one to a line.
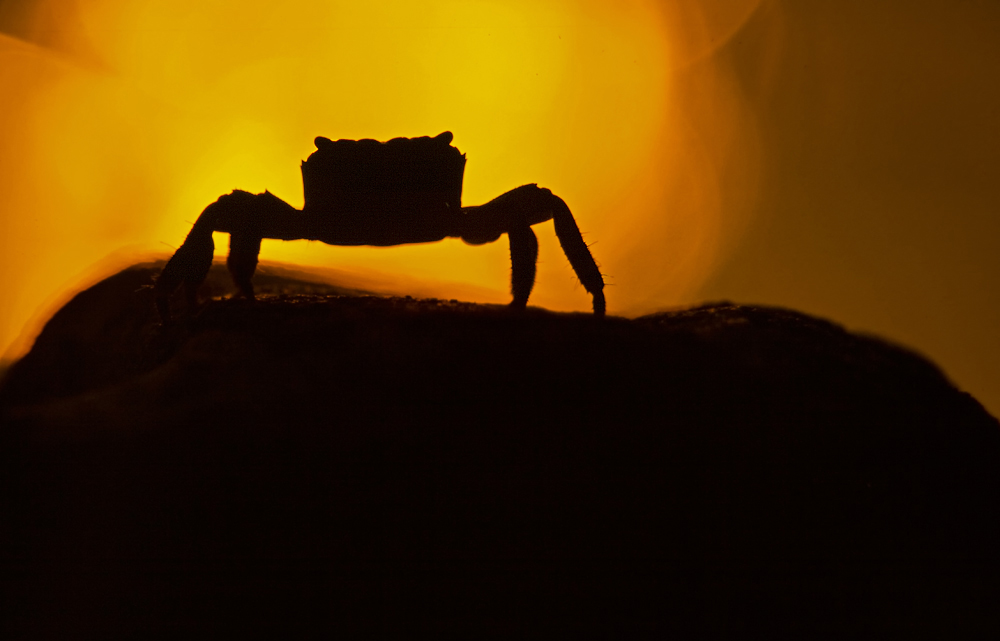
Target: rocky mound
(325,463)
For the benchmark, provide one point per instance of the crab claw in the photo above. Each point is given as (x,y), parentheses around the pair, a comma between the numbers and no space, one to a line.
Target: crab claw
(189,265)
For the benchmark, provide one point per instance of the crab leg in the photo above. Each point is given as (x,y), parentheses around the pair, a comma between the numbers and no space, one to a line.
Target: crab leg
(247,218)
(189,265)
(513,213)
(244,249)
(523,260)
(577,252)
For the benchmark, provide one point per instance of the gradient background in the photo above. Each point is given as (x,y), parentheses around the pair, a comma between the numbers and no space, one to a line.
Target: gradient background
(836,158)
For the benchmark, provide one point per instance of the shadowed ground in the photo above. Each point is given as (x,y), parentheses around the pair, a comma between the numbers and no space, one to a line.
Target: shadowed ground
(320,464)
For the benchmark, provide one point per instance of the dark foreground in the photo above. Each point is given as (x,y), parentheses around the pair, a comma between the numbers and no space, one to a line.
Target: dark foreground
(323,466)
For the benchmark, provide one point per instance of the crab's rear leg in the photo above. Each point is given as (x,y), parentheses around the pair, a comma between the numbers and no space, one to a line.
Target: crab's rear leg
(577,251)
(523,261)
(513,213)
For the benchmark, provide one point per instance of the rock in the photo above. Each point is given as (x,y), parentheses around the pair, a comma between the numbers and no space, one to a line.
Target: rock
(321,464)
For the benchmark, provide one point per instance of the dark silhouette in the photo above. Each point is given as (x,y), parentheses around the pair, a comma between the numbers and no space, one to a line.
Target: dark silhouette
(366,192)
(319,465)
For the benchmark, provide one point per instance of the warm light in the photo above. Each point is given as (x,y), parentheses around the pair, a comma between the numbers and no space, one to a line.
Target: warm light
(179,101)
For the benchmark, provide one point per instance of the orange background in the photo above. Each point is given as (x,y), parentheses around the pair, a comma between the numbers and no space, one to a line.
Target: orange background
(837,158)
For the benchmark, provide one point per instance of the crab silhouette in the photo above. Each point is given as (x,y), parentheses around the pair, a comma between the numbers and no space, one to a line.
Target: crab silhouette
(366,192)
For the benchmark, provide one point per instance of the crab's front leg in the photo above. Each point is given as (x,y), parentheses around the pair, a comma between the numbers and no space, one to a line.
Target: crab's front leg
(514,213)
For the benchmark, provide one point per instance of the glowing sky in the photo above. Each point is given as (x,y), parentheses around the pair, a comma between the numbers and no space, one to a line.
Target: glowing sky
(837,158)
(133,116)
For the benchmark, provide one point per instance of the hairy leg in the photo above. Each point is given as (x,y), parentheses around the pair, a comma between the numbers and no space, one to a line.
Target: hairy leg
(246,218)
(244,249)
(578,253)
(523,259)
(518,209)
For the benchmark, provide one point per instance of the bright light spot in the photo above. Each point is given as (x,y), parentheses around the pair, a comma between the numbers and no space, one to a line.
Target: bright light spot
(194,98)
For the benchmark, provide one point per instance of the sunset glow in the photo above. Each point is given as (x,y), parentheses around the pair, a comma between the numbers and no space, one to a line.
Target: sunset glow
(139,114)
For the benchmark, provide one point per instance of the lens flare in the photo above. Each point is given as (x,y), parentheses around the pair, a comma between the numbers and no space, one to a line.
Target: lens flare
(123,125)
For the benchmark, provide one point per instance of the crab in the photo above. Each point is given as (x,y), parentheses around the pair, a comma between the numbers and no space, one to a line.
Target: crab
(366,192)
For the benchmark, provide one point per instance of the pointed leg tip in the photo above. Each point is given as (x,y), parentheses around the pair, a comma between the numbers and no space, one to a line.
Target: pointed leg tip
(599,304)
(517,305)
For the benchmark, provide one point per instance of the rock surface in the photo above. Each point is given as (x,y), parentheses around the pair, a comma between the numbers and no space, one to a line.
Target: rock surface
(326,463)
